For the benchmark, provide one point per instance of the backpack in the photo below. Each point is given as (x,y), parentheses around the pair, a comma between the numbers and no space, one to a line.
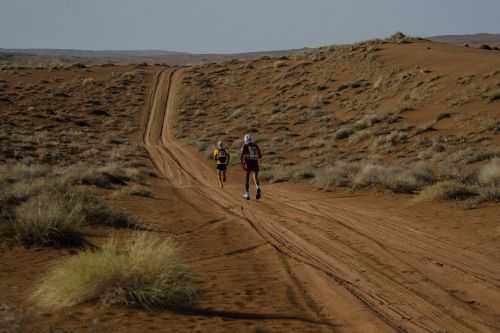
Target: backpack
(253,152)
(221,156)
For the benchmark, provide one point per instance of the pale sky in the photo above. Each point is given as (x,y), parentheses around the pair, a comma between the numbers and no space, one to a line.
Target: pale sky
(232,25)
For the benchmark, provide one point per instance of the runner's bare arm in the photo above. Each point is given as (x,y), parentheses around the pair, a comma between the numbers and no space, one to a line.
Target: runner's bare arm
(242,157)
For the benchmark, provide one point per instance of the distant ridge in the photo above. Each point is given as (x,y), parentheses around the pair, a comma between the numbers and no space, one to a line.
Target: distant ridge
(472,39)
(44,56)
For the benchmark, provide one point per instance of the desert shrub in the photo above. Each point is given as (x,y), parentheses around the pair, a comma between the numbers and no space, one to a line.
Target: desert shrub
(459,172)
(135,190)
(97,212)
(423,173)
(361,136)
(12,320)
(425,154)
(109,176)
(443,115)
(402,183)
(266,174)
(493,96)
(144,270)
(32,171)
(473,155)
(427,127)
(20,172)
(367,121)
(489,174)
(489,193)
(19,192)
(369,174)
(302,172)
(339,174)
(396,137)
(447,190)
(48,220)
(88,205)
(50,212)
(396,179)
(288,173)
(392,139)
(15,193)
(344,133)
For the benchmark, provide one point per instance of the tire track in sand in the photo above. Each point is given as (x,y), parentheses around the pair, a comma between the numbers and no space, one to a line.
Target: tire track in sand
(364,270)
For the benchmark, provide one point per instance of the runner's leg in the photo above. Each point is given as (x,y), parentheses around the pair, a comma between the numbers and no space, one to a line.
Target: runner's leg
(219,177)
(256,179)
(247,181)
(257,184)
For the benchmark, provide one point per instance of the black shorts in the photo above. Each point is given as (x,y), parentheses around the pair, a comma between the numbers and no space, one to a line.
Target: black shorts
(221,167)
(252,165)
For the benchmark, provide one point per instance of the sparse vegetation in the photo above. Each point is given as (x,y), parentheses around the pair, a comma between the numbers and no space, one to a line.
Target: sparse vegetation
(398,180)
(135,189)
(11,320)
(340,105)
(73,112)
(494,96)
(339,174)
(144,270)
(288,173)
(109,176)
(48,211)
(344,133)
(447,190)
(49,219)
(490,173)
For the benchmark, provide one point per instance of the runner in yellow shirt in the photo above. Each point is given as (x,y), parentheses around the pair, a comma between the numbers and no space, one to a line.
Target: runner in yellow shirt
(222,158)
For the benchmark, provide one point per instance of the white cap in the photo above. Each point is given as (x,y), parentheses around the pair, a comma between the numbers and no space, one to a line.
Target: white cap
(247,139)
(220,145)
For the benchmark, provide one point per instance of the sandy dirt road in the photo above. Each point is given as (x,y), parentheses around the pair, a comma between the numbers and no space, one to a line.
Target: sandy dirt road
(322,262)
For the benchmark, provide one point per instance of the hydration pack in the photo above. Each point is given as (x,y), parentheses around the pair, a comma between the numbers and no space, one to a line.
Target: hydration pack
(253,152)
(222,156)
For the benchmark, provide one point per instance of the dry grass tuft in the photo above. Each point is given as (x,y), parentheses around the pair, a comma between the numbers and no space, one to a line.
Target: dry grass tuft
(288,173)
(344,133)
(338,175)
(11,320)
(50,212)
(489,174)
(447,190)
(109,176)
(49,220)
(136,190)
(145,270)
(493,96)
(395,179)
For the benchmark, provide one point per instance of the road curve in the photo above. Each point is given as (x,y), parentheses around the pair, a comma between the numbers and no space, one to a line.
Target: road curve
(357,267)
